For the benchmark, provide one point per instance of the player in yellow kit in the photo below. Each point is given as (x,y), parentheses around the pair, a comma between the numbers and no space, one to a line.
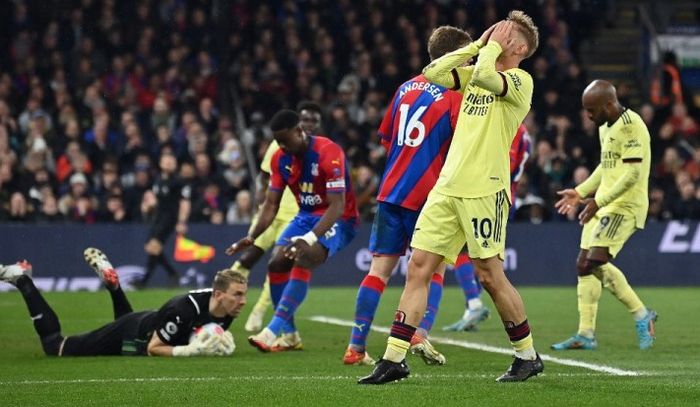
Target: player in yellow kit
(470,202)
(310,115)
(617,210)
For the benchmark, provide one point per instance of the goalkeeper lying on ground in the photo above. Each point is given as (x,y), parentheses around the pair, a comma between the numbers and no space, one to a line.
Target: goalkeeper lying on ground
(165,332)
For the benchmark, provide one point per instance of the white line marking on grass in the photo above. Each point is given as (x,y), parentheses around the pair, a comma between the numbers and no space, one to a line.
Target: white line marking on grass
(493,349)
(252,378)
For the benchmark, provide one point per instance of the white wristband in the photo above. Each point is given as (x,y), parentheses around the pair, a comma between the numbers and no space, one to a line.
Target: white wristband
(310,238)
(182,351)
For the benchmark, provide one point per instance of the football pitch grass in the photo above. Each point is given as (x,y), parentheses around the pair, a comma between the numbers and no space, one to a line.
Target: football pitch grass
(618,373)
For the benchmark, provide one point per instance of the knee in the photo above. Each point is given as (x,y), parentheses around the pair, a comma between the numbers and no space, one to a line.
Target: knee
(419,271)
(586,266)
(278,265)
(52,344)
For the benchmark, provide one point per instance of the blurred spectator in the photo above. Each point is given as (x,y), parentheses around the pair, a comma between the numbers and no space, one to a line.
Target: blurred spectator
(240,211)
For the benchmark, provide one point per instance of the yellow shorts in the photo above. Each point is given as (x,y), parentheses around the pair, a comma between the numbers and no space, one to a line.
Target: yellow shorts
(609,229)
(447,222)
(268,238)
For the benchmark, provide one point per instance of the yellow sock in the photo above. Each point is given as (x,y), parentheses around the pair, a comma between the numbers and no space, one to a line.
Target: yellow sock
(615,281)
(265,299)
(396,349)
(524,348)
(237,266)
(588,290)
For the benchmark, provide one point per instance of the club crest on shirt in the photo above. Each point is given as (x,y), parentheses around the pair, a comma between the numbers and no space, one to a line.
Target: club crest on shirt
(314,169)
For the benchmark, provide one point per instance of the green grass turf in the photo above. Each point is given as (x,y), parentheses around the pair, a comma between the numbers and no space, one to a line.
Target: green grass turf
(316,375)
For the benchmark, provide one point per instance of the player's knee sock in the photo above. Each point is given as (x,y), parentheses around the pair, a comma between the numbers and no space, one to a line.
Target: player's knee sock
(278,281)
(521,340)
(615,281)
(368,296)
(120,304)
(46,322)
(292,297)
(464,272)
(434,297)
(588,290)
(399,339)
(237,266)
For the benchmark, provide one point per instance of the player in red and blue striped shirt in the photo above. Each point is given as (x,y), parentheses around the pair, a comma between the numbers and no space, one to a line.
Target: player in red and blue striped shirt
(315,170)
(416,132)
(475,311)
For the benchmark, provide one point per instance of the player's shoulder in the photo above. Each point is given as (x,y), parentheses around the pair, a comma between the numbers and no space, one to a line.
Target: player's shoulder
(324,144)
(520,78)
(631,123)
(193,303)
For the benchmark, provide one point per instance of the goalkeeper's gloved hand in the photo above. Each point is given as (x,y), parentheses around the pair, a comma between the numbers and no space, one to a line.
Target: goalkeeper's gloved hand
(226,344)
(204,344)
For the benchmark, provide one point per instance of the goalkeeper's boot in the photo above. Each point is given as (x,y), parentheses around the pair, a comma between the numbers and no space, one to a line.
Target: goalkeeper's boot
(386,371)
(470,320)
(422,347)
(522,369)
(646,331)
(255,320)
(353,357)
(264,340)
(12,272)
(101,265)
(577,342)
(289,341)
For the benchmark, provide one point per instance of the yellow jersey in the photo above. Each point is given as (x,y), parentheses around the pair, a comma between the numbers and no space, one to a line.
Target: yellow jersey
(288,206)
(478,162)
(627,138)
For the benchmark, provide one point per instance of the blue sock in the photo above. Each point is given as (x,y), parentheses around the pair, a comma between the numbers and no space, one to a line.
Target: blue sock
(278,281)
(434,297)
(292,297)
(464,272)
(368,296)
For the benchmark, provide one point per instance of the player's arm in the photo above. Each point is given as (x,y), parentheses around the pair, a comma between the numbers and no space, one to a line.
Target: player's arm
(336,207)
(449,70)
(268,211)
(591,184)
(262,180)
(632,171)
(156,347)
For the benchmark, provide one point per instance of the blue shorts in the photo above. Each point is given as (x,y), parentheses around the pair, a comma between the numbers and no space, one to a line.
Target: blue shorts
(392,229)
(338,236)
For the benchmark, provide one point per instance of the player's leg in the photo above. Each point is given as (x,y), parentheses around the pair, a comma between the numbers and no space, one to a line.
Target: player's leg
(475,312)
(246,262)
(160,231)
(108,340)
(388,241)
(45,321)
(484,222)
(437,236)
(420,345)
(99,262)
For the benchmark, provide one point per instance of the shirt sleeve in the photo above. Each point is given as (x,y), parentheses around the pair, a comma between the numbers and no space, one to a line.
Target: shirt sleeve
(333,166)
(175,324)
(632,147)
(518,87)
(276,181)
(448,71)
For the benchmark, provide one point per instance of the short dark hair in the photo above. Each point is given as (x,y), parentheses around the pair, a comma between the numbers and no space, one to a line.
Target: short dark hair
(446,39)
(284,120)
(309,105)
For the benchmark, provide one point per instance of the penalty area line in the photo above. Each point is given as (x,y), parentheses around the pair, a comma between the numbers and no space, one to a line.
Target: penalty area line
(492,349)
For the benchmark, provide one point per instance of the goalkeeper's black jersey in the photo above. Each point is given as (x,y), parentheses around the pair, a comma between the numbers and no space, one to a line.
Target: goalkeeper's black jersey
(175,321)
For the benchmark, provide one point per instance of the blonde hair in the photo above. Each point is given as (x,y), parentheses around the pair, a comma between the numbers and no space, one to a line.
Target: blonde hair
(224,278)
(528,28)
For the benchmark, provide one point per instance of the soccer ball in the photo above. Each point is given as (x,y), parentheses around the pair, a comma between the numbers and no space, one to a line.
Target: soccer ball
(210,328)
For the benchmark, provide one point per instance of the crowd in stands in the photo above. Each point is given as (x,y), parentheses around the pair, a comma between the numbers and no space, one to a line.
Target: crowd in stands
(92,92)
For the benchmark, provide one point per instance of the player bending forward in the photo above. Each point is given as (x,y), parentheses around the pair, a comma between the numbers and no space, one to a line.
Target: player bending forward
(314,168)
(165,332)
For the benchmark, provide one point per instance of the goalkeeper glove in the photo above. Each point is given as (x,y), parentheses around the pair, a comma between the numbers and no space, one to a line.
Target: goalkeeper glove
(202,345)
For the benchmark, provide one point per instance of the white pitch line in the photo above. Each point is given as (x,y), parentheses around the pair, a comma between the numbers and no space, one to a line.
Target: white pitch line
(250,378)
(493,349)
